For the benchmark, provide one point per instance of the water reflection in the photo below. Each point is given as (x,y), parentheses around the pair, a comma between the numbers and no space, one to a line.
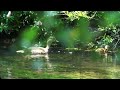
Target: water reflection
(112,70)
(40,62)
(5,69)
(110,59)
(76,65)
(9,74)
(111,65)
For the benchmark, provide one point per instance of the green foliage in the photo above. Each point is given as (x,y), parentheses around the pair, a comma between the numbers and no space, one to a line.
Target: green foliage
(111,18)
(107,40)
(76,15)
(77,33)
(107,23)
(29,36)
(17,20)
(71,30)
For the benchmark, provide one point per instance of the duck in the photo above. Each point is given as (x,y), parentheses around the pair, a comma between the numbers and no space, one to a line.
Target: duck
(102,50)
(39,50)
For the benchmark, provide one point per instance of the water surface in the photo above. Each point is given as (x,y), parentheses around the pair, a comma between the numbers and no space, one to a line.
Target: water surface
(65,65)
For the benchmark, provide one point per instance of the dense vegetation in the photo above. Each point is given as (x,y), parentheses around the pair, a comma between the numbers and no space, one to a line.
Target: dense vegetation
(72,29)
(80,31)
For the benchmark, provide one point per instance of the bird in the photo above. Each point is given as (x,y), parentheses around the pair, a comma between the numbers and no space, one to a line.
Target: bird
(102,50)
(42,50)
(39,50)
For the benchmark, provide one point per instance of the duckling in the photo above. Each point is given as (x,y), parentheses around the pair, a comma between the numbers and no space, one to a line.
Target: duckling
(102,50)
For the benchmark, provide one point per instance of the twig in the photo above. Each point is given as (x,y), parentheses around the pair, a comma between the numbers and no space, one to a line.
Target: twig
(116,44)
(93,15)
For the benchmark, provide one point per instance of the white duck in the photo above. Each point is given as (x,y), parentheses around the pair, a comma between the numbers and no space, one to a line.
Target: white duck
(40,50)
